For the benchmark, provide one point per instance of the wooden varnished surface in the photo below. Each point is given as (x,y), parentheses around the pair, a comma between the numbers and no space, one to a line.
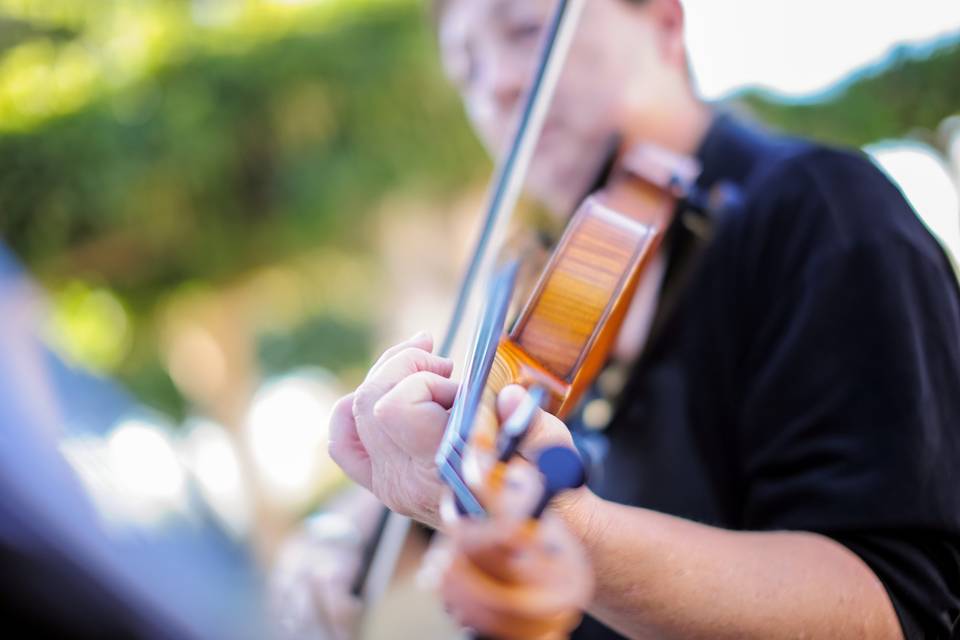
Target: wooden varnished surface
(591,269)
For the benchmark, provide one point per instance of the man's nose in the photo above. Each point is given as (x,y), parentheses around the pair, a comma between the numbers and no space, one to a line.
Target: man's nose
(507,87)
(506,82)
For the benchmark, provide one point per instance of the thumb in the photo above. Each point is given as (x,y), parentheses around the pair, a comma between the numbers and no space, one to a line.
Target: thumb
(546,430)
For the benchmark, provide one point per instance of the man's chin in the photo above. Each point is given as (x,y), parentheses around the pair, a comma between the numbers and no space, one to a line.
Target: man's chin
(561,192)
(559,201)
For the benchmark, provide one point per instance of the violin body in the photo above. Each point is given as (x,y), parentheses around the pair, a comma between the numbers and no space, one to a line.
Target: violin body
(564,334)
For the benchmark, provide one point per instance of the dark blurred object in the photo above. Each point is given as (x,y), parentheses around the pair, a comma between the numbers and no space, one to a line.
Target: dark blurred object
(62,573)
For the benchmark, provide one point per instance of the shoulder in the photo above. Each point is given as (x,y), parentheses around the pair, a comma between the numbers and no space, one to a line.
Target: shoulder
(811,204)
(840,190)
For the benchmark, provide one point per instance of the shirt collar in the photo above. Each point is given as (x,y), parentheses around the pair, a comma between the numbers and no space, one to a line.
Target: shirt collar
(730,151)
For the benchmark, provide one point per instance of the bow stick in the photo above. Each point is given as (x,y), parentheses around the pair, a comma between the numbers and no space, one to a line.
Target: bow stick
(381,554)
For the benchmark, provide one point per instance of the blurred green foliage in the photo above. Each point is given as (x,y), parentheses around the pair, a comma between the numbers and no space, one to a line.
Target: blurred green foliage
(147,146)
(321,338)
(911,92)
(220,162)
(224,158)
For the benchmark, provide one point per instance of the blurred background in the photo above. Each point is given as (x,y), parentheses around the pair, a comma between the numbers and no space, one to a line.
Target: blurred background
(222,210)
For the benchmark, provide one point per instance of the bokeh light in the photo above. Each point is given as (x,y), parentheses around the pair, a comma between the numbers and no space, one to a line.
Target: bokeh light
(89,325)
(211,456)
(133,474)
(146,465)
(287,434)
(925,179)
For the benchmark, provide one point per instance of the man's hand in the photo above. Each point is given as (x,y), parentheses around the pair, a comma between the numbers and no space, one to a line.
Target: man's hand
(546,430)
(385,434)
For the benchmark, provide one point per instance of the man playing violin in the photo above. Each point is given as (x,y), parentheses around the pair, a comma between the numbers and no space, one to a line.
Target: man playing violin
(783,453)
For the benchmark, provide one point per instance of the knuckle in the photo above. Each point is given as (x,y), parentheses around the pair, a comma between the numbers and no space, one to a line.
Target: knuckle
(362,398)
(422,378)
(383,409)
(414,356)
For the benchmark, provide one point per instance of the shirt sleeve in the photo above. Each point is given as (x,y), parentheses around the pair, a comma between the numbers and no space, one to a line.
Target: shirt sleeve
(919,570)
(850,386)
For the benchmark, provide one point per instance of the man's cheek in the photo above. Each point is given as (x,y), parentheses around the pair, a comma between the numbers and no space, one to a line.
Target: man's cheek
(484,119)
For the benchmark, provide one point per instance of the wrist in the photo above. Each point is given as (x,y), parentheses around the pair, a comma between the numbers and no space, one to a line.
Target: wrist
(580,511)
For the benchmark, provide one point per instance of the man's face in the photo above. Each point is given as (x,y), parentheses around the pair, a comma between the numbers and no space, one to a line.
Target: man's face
(490,49)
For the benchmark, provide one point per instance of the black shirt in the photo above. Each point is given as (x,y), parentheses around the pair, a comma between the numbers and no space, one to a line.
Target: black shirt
(808,378)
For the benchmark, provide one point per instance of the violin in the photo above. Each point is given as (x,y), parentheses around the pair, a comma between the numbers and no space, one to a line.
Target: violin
(558,344)
(503,579)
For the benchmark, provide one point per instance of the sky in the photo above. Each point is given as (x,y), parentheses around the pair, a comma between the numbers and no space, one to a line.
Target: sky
(800,48)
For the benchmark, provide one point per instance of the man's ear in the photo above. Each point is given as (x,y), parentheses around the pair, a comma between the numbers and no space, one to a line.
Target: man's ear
(668,15)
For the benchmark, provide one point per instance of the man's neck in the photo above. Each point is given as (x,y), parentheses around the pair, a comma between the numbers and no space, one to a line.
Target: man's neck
(679,127)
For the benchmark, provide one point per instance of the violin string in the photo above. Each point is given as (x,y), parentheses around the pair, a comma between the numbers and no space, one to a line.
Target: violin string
(463,413)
